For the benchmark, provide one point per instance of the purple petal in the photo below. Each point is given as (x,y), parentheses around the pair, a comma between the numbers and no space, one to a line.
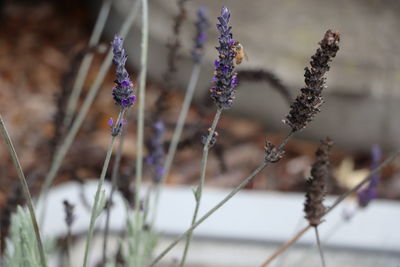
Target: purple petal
(110,122)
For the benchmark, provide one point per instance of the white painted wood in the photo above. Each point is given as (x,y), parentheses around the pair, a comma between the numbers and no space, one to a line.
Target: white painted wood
(252,215)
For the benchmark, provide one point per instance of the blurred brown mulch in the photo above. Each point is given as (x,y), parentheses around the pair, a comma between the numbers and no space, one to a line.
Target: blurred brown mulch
(40,51)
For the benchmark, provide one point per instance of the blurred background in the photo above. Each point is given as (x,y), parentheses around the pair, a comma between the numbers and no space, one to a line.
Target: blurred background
(42,44)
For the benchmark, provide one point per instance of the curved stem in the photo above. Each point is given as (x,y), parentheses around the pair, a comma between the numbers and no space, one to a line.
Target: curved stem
(25,189)
(96,202)
(199,188)
(194,77)
(247,180)
(86,62)
(210,212)
(62,151)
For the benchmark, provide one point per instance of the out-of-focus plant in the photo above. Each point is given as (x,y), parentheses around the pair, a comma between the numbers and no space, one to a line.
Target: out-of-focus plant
(21,245)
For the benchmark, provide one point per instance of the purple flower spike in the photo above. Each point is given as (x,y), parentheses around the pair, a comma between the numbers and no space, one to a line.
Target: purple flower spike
(370,192)
(200,39)
(156,157)
(225,78)
(234,81)
(123,91)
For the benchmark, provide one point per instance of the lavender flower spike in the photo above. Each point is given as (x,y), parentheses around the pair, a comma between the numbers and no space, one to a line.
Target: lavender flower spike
(225,78)
(369,193)
(156,157)
(123,91)
(202,25)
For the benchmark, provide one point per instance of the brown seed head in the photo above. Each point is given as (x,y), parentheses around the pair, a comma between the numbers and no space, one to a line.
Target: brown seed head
(316,184)
(308,103)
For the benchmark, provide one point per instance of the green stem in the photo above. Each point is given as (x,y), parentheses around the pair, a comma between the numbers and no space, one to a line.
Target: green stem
(247,180)
(300,233)
(209,213)
(25,189)
(114,178)
(95,206)
(86,62)
(194,77)
(62,151)
(140,129)
(199,189)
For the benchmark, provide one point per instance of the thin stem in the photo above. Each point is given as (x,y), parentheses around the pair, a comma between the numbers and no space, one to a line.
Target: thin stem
(68,246)
(114,178)
(209,213)
(25,189)
(321,253)
(221,203)
(96,203)
(141,100)
(86,62)
(199,188)
(337,202)
(324,240)
(283,258)
(363,182)
(286,245)
(194,77)
(181,119)
(62,151)
(140,129)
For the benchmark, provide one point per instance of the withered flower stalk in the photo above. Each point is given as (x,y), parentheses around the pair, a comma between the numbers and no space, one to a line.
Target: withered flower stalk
(308,103)
(316,189)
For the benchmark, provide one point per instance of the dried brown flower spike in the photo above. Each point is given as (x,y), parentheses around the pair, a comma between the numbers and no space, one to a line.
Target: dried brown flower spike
(313,207)
(272,153)
(308,103)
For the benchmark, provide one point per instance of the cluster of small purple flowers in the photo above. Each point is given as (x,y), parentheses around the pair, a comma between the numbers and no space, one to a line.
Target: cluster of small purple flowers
(200,39)
(369,193)
(116,129)
(156,158)
(225,77)
(213,139)
(123,91)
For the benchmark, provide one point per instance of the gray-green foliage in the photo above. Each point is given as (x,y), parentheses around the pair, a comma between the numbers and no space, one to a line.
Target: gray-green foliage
(99,208)
(145,241)
(21,245)
(137,250)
